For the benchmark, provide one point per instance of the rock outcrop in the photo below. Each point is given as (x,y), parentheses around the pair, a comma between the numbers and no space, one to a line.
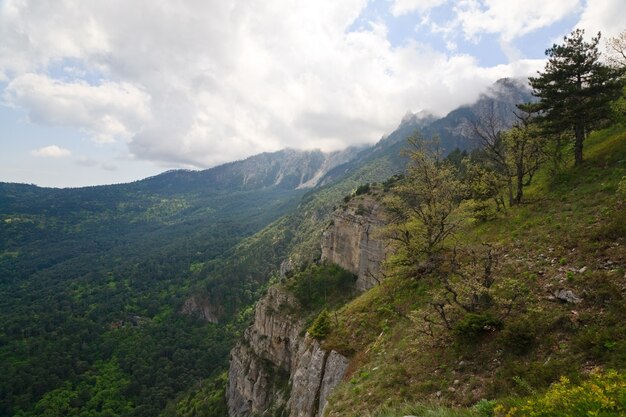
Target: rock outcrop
(351,241)
(317,372)
(277,368)
(201,306)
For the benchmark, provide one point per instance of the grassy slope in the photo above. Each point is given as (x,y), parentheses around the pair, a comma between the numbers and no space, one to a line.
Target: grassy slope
(569,221)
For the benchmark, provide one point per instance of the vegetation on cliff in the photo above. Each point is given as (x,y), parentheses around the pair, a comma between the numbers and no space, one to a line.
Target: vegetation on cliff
(510,306)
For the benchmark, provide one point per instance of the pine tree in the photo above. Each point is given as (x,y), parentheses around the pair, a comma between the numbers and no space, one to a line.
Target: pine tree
(575,89)
(321,327)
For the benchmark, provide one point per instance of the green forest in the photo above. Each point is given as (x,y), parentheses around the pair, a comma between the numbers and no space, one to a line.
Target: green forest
(93,281)
(484,239)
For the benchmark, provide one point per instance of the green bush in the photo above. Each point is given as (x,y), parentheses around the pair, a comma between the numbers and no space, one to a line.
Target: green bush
(518,336)
(603,395)
(321,327)
(474,325)
(485,408)
(322,285)
(362,189)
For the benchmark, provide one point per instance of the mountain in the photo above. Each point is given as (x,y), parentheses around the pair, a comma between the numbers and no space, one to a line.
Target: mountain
(102,283)
(497,103)
(523,316)
(453,131)
(287,169)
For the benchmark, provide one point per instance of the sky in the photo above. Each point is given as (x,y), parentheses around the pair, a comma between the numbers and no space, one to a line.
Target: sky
(100,92)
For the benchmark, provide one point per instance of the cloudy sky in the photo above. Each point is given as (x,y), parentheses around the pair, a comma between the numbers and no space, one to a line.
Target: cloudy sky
(95,92)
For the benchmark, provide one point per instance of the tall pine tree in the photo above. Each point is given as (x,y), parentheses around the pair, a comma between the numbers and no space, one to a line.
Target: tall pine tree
(575,89)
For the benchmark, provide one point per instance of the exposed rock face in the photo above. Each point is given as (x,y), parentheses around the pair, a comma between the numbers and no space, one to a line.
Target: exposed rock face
(250,387)
(203,307)
(274,357)
(316,374)
(286,267)
(352,242)
(276,367)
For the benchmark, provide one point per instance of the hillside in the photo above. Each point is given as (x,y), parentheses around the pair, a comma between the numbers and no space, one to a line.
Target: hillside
(555,266)
(564,253)
(94,279)
(105,282)
(172,263)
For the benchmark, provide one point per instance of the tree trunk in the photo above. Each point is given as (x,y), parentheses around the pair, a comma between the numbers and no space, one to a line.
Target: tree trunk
(579,132)
(520,184)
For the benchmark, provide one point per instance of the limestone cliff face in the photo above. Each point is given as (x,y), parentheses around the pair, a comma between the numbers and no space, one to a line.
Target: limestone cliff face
(277,368)
(316,373)
(201,306)
(351,240)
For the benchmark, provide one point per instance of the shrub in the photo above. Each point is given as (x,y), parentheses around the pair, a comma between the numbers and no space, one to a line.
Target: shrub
(518,336)
(485,408)
(321,327)
(604,394)
(362,189)
(322,285)
(474,325)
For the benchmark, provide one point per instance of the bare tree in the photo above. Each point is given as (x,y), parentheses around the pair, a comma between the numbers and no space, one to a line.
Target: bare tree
(523,145)
(513,154)
(616,50)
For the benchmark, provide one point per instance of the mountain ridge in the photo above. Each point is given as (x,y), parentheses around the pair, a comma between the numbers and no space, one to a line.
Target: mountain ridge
(122,263)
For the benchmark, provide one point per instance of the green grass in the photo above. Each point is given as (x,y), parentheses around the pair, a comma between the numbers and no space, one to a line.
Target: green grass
(569,233)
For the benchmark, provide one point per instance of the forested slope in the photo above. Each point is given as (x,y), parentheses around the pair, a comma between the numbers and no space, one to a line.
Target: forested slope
(93,280)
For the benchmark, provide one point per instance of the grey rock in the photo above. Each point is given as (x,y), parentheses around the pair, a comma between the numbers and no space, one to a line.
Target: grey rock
(202,307)
(286,267)
(273,354)
(567,296)
(352,243)
(335,369)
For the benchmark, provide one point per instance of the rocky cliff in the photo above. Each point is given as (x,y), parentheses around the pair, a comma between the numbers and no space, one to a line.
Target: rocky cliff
(201,306)
(276,368)
(352,241)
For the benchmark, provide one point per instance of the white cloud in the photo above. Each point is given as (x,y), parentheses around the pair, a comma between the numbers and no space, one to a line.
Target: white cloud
(34,33)
(401,7)
(511,19)
(199,83)
(52,151)
(105,111)
(606,16)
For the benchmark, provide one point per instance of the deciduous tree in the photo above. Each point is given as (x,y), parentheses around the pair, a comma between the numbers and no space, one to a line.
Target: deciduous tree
(424,207)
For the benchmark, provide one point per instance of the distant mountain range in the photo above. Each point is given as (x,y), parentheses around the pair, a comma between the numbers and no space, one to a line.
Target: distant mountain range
(296,169)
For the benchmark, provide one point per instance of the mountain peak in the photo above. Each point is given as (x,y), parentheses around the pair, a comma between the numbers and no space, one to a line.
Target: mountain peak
(421,118)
